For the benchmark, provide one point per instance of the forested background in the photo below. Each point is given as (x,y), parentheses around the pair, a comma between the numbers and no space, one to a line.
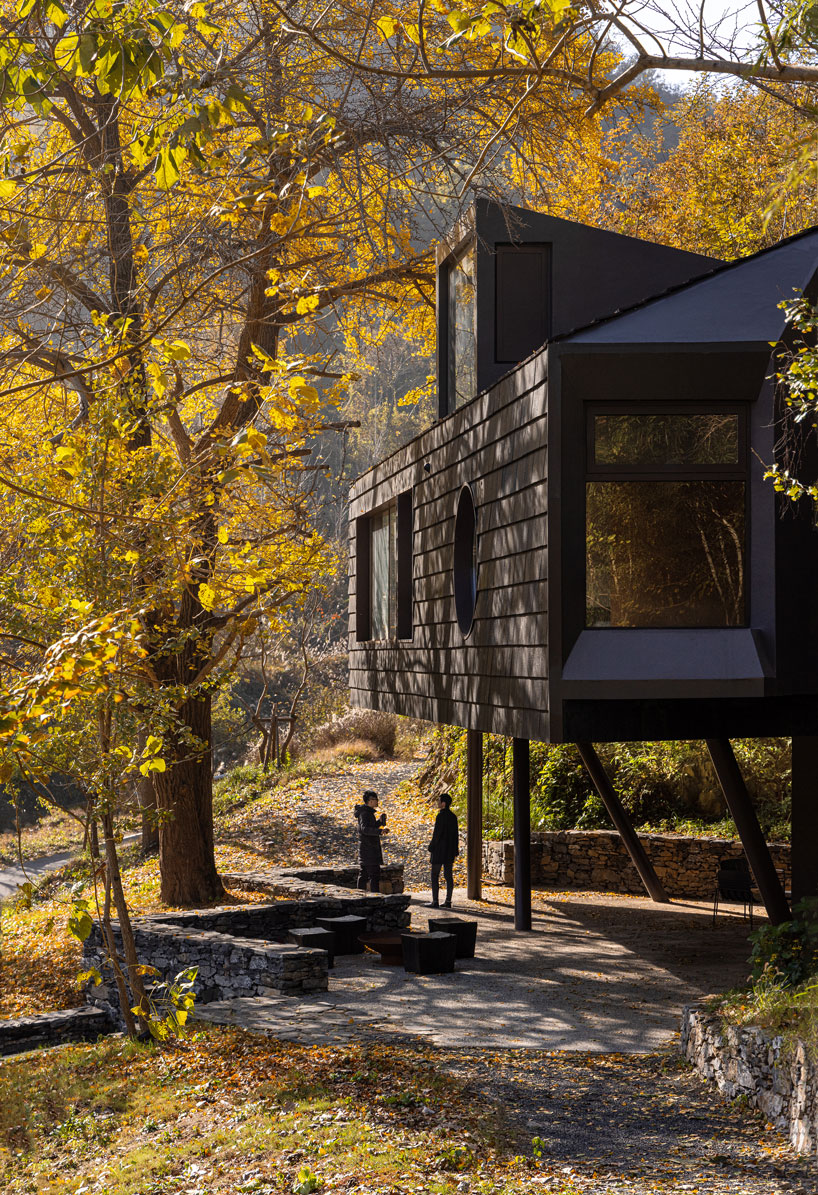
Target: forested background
(219,311)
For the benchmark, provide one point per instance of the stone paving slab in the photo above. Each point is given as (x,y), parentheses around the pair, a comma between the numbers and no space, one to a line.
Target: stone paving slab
(597,974)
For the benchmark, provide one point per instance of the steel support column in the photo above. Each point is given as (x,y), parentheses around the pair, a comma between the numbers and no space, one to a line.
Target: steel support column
(474,814)
(522,835)
(617,814)
(753,841)
(804,836)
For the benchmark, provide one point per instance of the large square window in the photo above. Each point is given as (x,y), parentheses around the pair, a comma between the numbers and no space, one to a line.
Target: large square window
(462,341)
(665,519)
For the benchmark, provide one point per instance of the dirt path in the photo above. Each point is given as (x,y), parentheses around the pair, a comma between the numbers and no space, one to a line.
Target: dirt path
(313,821)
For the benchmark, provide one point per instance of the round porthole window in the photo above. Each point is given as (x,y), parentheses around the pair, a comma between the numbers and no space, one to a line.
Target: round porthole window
(464,565)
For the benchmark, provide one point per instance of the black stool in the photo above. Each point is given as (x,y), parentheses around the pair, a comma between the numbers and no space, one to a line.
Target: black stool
(319,939)
(429,954)
(464,931)
(346,930)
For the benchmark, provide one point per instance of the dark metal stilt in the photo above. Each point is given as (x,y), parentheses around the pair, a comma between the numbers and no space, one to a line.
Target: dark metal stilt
(522,835)
(474,814)
(753,841)
(804,836)
(620,819)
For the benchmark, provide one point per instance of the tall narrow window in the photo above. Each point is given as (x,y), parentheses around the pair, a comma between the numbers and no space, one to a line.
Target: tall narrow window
(665,519)
(384,571)
(405,544)
(462,342)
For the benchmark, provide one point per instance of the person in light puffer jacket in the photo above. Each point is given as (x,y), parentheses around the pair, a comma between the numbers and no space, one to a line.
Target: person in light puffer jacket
(370,852)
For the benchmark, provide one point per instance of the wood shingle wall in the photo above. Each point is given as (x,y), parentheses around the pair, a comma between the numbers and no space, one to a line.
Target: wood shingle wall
(495,678)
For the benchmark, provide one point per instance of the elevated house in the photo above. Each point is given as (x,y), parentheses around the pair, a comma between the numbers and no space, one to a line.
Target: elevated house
(583,548)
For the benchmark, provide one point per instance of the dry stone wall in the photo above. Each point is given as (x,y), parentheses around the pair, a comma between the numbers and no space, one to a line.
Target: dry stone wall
(743,1061)
(242,950)
(52,1028)
(597,860)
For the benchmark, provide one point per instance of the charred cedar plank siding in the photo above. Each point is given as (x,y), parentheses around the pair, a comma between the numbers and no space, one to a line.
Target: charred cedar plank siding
(495,678)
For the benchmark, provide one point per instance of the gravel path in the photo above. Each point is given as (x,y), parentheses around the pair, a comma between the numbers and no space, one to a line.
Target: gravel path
(635,1124)
(612,972)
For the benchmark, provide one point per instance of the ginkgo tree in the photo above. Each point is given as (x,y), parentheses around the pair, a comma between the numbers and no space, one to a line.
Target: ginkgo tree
(193,200)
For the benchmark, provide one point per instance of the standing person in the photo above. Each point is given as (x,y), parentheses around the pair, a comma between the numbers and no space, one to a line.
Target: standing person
(444,849)
(370,853)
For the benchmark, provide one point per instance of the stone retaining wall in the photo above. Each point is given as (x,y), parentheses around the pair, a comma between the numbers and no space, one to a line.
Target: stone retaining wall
(228,966)
(597,860)
(292,881)
(345,877)
(52,1029)
(242,950)
(744,1061)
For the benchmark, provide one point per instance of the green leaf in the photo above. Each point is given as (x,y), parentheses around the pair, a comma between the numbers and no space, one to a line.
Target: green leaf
(92,975)
(80,923)
(167,167)
(157,764)
(55,13)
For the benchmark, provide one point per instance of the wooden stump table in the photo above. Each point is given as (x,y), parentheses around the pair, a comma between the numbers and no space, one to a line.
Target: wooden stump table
(317,938)
(347,932)
(429,954)
(464,931)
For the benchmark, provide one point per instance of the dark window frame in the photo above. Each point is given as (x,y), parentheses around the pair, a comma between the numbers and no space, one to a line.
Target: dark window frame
(669,473)
(465,561)
(445,404)
(403,504)
(673,471)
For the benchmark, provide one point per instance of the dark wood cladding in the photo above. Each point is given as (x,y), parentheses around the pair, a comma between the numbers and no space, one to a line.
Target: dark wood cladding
(493,679)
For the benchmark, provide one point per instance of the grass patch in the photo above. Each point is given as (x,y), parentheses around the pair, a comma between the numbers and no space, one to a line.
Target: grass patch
(780,1010)
(227,1111)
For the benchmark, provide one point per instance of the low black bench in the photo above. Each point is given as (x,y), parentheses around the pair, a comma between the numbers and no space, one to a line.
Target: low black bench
(429,954)
(316,938)
(346,931)
(464,931)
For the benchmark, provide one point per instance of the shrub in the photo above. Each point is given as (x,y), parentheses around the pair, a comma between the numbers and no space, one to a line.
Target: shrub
(664,786)
(789,950)
(372,725)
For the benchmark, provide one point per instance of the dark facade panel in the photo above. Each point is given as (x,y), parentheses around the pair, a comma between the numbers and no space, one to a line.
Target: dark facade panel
(522,300)
(486,678)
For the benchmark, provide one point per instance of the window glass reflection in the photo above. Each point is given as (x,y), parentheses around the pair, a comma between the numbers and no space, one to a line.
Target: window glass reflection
(661,440)
(665,553)
(383,577)
(462,346)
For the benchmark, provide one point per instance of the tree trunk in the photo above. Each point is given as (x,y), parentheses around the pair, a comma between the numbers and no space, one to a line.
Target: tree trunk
(114,888)
(185,791)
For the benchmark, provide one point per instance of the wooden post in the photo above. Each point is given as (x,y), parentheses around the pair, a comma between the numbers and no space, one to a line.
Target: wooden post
(804,835)
(753,841)
(522,835)
(474,814)
(617,814)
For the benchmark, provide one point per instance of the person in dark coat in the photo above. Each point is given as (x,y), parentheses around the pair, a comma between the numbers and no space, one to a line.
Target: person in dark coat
(370,852)
(444,849)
